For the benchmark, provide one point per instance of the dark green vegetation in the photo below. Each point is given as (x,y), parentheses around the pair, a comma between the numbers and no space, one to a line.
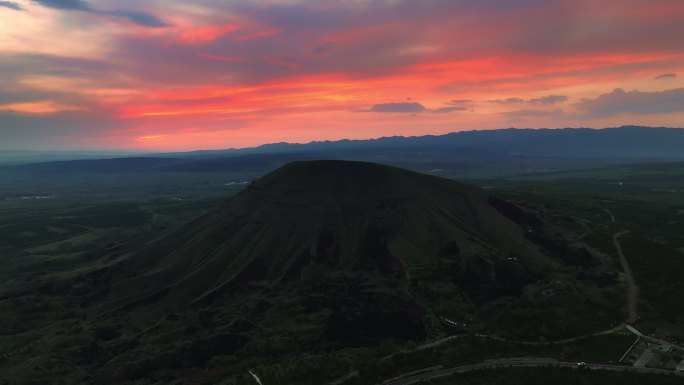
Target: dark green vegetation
(51,253)
(324,268)
(375,366)
(650,205)
(21,189)
(532,376)
(299,262)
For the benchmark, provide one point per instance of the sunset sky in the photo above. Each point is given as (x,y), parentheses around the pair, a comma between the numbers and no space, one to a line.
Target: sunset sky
(184,75)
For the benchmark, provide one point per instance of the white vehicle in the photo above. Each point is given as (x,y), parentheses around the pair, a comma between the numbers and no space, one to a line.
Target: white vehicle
(581,364)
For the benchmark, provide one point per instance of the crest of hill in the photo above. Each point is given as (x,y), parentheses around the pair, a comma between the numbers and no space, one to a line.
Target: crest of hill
(330,217)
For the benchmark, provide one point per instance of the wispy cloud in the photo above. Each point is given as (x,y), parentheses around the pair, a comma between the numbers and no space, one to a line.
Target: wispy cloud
(446,110)
(11,5)
(325,47)
(550,99)
(634,102)
(507,101)
(554,114)
(411,107)
(140,18)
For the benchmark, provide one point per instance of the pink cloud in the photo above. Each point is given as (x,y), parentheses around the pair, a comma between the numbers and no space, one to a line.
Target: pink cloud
(206,34)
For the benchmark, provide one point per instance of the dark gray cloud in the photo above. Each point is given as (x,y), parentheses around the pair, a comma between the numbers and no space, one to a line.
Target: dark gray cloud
(13,67)
(446,110)
(413,107)
(460,102)
(634,102)
(521,114)
(67,130)
(550,99)
(461,105)
(611,104)
(398,107)
(508,101)
(295,48)
(31,96)
(16,67)
(140,18)
(323,48)
(11,5)
(75,5)
(665,76)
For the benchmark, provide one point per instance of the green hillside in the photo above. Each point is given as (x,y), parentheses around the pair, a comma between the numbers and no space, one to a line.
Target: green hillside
(339,216)
(321,256)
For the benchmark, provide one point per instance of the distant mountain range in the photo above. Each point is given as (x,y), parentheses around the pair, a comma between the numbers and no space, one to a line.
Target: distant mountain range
(625,141)
(505,147)
(34,156)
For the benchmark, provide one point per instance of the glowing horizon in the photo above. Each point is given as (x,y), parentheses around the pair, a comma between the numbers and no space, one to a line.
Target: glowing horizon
(170,75)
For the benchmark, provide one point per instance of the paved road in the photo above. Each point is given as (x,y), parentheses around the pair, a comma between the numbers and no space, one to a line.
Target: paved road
(556,342)
(644,359)
(497,338)
(632,288)
(518,363)
(612,217)
(680,367)
(665,345)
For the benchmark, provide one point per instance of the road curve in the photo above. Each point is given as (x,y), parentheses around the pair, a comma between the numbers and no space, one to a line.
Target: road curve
(521,363)
(612,217)
(632,288)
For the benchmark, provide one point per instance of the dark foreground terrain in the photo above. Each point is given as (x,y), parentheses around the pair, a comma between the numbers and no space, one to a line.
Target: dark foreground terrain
(339,272)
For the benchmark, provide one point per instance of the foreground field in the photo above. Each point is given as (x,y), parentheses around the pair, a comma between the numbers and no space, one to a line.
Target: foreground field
(58,254)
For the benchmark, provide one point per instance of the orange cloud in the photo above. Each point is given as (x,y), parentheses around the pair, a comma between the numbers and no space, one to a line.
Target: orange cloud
(299,71)
(43,107)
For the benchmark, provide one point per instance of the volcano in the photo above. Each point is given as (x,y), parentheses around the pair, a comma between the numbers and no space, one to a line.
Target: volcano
(318,255)
(335,216)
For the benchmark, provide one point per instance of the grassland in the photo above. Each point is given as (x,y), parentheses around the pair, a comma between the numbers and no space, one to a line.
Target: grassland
(532,376)
(46,245)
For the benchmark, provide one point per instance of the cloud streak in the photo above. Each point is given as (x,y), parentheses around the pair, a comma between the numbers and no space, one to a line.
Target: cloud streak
(325,47)
(11,5)
(398,108)
(508,101)
(446,110)
(140,18)
(550,99)
(412,107)
(634,102)
(550,114)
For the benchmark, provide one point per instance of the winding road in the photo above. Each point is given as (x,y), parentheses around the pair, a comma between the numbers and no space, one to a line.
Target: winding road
(632,288)
(509,363)
(632,317)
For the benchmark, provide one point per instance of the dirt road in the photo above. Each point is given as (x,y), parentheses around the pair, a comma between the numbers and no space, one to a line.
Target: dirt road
(518,363)
(632,289)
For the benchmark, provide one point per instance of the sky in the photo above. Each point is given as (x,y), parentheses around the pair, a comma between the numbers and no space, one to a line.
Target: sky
(210,74)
